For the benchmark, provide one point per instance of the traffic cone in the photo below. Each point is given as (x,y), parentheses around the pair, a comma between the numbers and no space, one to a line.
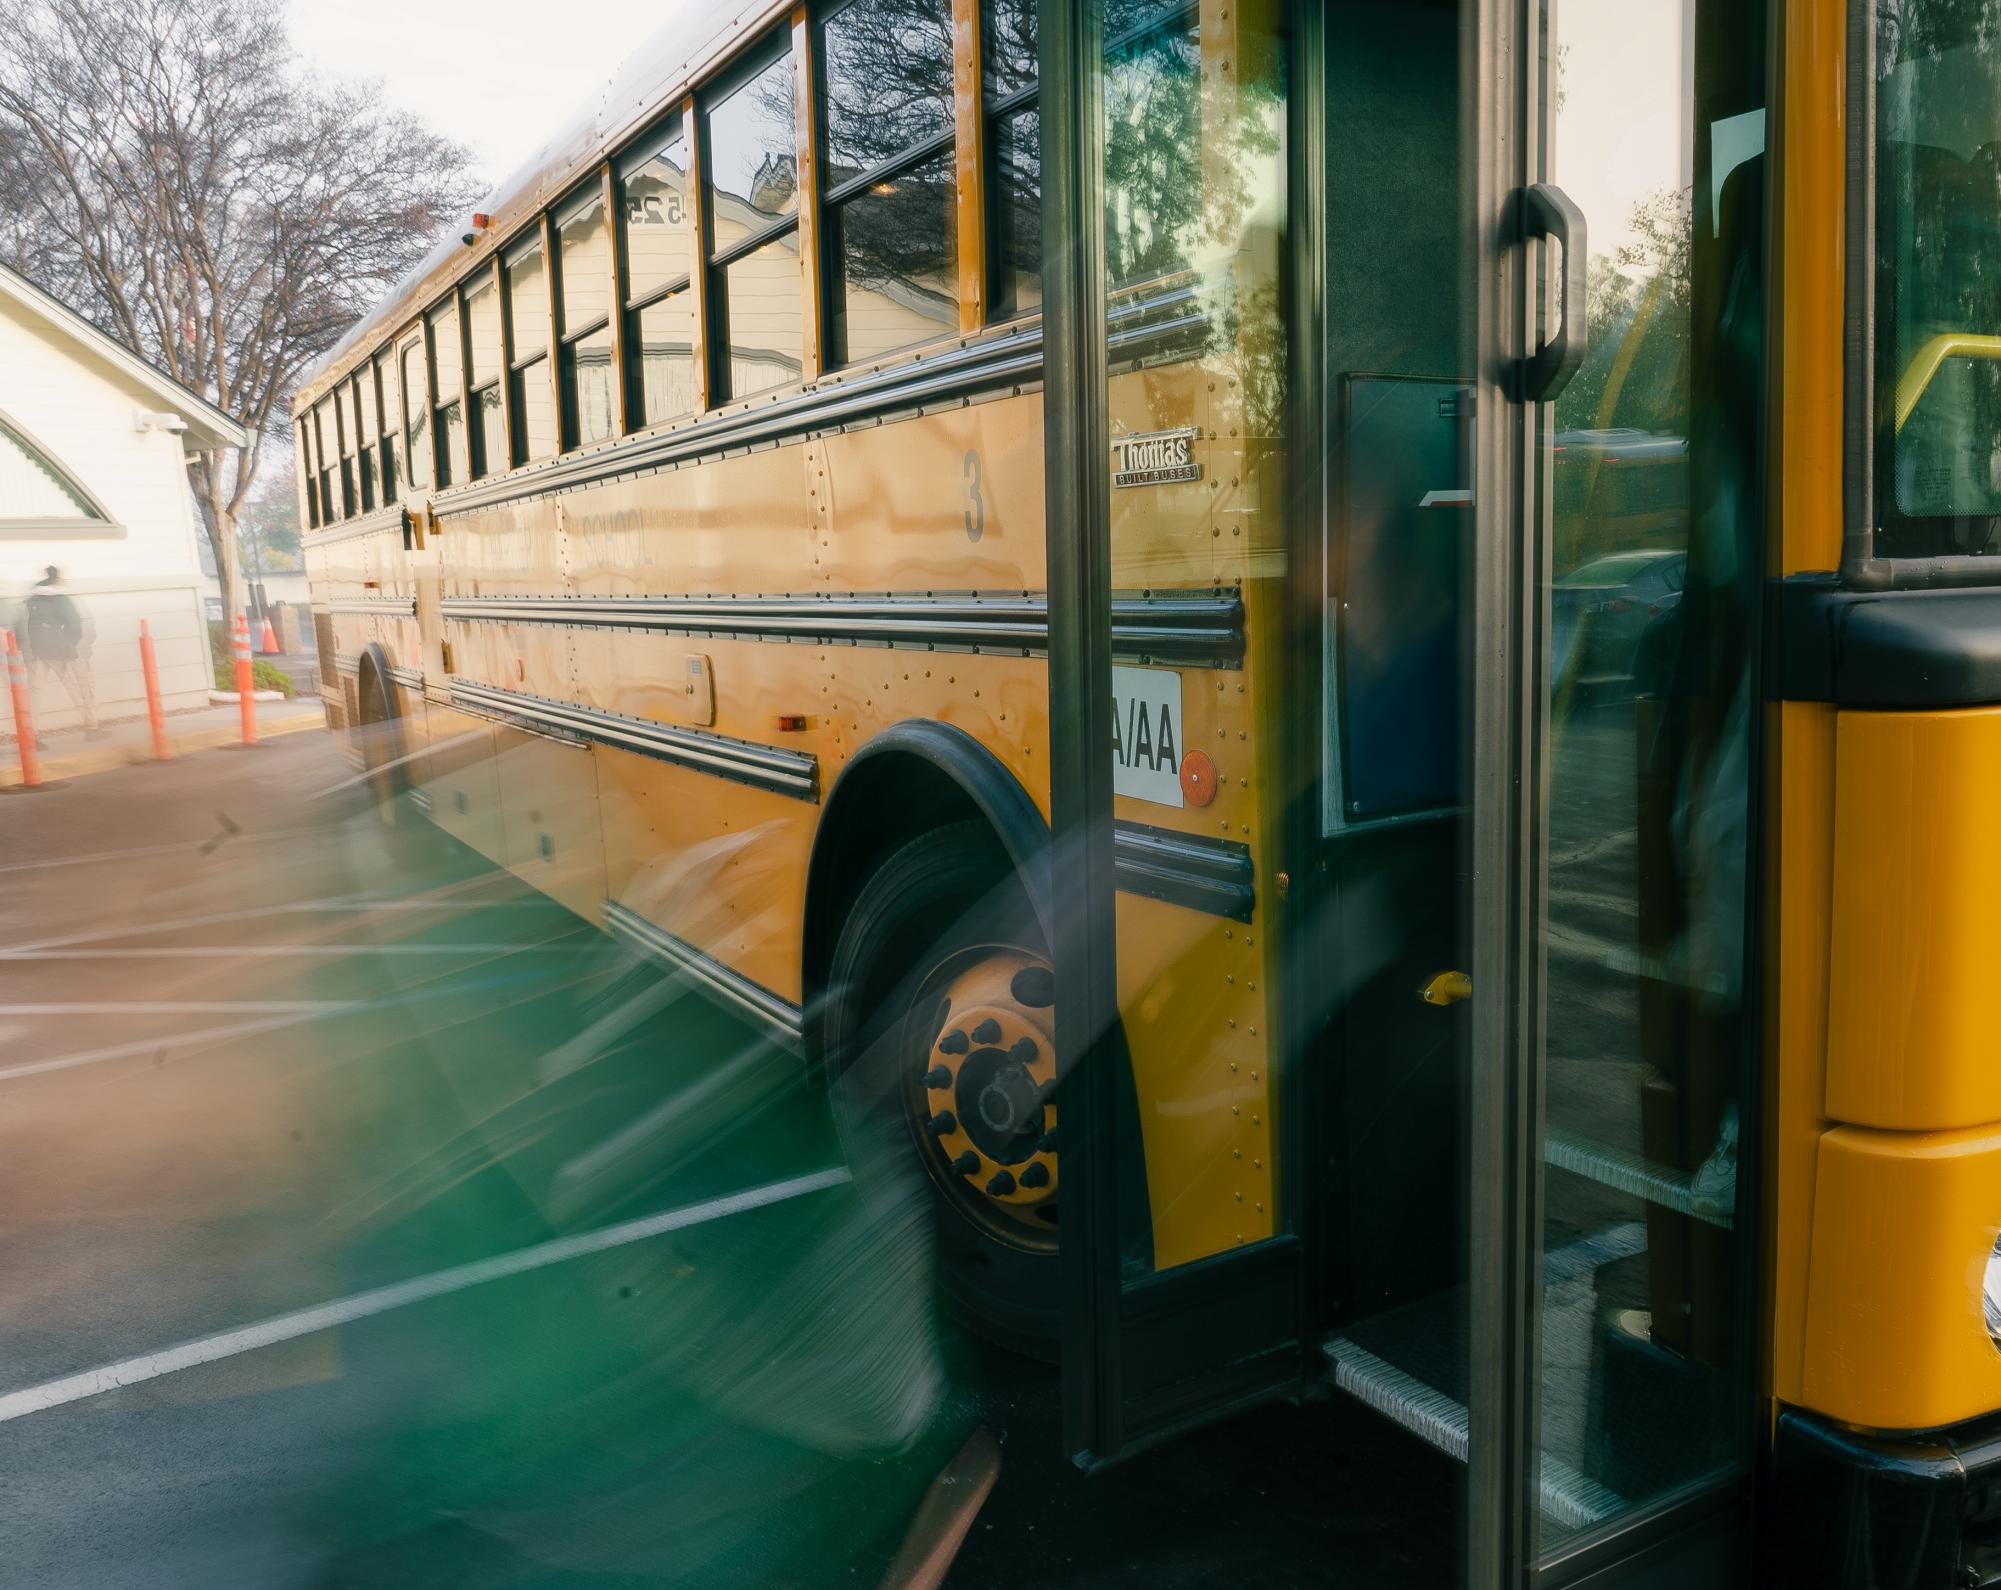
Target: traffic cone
(267,643)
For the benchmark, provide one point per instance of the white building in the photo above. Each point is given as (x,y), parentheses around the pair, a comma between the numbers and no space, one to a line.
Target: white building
(93,480)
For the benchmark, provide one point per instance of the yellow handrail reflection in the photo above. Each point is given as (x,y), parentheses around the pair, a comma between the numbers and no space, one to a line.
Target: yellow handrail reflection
(1924,365)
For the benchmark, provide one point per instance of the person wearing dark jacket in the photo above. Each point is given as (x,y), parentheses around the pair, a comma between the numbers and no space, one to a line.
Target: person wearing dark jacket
(57,643)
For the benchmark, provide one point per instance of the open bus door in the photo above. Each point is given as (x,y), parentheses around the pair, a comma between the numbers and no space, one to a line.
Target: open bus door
(1384,1080)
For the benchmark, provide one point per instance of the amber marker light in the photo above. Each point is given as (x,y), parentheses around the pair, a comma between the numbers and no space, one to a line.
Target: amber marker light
(791,722)
(1198,778)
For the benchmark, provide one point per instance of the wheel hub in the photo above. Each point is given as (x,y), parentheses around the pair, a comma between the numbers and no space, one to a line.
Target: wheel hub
(985,1096)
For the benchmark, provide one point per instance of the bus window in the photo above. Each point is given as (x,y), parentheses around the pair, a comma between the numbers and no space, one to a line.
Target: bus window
(1153,141)
(416,413)
(750,145)
(390,406)
(323,432)
(365,435)
(584,255)
(343,424)
(487,433)
(528,347)
(306,475)
(1938,305)
(889,173)
(1014,159)
(448,369)
(659,325)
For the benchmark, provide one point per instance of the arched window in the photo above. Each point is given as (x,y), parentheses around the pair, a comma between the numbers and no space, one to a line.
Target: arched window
(37,493)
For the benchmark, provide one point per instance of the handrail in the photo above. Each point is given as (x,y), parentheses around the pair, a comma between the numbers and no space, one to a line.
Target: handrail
(1925,364)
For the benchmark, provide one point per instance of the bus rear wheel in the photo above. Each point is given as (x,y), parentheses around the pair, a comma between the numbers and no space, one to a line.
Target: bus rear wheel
(941,1064)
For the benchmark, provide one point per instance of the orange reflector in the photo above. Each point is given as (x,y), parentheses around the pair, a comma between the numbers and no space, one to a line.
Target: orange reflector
(791,722)
(1198,778)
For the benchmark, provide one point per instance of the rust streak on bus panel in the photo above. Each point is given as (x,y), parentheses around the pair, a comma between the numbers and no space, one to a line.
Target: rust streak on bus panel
(698,274)
(968,140)
(804,123)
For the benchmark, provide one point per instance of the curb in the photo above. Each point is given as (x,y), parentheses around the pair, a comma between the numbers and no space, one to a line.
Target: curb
(79,764)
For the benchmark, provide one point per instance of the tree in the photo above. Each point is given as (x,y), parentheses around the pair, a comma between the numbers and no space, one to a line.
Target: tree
(167,170)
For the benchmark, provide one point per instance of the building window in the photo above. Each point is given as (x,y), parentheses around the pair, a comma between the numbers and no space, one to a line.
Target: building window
(751,152)
(487,435)
(362,405)
(584,351)
(417,413)
(658,239)
(889,185)
(528,346)
(390,406)
(1014,158)
(448,393)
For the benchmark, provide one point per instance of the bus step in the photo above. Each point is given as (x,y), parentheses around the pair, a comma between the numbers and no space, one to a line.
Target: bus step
(1571,1499)
(1628,1173)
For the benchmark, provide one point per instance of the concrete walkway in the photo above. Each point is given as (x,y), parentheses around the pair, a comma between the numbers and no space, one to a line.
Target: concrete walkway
(70,753)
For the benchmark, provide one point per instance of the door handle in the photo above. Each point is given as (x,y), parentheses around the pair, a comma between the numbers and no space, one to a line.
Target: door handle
(1446,988)
(1549,212)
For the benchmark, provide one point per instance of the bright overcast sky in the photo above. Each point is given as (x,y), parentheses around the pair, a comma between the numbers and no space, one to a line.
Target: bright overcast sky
(499,87)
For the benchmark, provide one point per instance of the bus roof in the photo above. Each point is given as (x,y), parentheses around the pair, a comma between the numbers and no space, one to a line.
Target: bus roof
(653,76)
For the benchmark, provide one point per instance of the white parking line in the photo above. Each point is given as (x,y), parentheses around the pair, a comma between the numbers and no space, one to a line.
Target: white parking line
(180,1007)
(162,1043)
(325,1316)
(284,908)
(196,952)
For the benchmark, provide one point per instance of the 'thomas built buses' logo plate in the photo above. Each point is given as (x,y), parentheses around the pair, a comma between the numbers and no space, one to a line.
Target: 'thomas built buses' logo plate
(1155,459)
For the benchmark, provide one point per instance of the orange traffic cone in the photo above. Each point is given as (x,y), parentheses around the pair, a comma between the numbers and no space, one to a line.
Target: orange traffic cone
(267,643)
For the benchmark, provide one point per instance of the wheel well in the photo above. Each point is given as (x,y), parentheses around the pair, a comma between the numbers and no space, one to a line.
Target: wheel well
(373,668)
(913,778)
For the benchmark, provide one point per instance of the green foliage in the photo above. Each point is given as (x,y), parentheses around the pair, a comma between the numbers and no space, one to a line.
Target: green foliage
(263,675)
(1639,297)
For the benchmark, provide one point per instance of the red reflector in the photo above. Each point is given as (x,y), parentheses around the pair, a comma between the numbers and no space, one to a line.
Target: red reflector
(1198,778)
(791,722)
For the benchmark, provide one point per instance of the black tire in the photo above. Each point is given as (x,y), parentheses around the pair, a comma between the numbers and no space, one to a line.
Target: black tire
(947,895)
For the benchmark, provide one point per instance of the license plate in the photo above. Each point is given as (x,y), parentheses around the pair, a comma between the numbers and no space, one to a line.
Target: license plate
(1146,734)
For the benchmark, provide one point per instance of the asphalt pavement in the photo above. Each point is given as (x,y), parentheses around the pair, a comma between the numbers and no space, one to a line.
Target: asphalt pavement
(366,1219)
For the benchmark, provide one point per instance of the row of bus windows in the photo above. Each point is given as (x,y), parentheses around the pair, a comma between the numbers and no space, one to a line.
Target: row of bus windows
(518,363)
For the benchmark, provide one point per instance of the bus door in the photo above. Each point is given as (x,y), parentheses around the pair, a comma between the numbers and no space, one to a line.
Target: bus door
(1402,988)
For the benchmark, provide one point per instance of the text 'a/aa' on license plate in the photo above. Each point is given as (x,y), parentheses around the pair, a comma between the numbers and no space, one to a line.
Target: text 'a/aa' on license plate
(1146,734)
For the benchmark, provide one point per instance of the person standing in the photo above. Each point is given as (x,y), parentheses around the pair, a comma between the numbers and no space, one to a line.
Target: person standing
(57,642)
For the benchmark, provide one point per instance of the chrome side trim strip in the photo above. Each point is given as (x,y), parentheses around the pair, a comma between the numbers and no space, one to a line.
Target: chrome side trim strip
(793,773)
(389,518)
(780,1018)
(1193,628)
(408,678)
(1211,875)
(383,606)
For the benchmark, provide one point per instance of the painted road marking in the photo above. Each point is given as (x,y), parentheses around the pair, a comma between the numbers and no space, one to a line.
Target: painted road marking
(326,1316)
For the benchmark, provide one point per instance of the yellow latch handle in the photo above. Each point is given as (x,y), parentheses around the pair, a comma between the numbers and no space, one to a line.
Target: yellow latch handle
(1446,988)
(1925,364)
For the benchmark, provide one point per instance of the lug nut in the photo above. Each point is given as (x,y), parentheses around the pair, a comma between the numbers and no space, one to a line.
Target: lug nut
(1001,1183)
(966,1163)
(1047,1145)
(941,1123)
(1023,1052)
(938,1077)
(987,1031)
(1035,1175)
(954,1042)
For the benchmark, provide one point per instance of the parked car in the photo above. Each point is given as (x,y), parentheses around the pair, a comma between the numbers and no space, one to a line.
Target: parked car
(1600,611)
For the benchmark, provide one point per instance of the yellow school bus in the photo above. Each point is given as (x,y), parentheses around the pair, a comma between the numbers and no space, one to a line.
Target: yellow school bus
(1033,554)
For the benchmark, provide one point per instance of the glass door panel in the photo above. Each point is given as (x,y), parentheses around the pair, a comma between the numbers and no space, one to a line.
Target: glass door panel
(1647,463)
